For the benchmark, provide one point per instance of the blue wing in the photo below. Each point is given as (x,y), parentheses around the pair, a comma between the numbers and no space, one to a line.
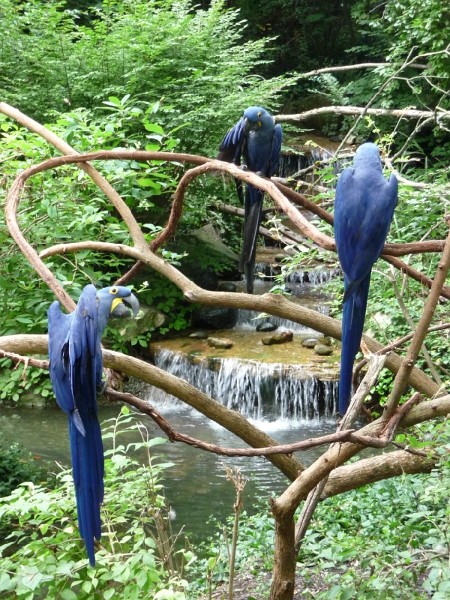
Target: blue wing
(75,359)
(275,150)
(231,147)
(364,207)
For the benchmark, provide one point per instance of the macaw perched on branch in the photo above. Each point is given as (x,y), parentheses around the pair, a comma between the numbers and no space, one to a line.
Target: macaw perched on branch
(363,211)
(257,139)
(74,344)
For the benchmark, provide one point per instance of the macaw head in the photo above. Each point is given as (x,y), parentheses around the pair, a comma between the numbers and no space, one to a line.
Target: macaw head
(256,117)
(367,155)
(117,301)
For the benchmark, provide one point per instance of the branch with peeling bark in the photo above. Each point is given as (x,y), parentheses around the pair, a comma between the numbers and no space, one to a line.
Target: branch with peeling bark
(305,227)
(37,344)
(436,116)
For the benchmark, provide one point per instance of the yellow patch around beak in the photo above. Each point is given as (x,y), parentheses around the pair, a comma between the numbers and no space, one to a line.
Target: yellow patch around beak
(115,302)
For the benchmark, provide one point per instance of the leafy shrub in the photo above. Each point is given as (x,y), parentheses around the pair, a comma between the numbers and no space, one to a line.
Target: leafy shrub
(47,558)
(387,540)
(17,466)
(194,61)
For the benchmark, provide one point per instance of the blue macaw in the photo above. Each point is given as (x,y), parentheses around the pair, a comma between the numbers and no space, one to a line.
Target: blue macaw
(74,346)
(363,211)
(257,139)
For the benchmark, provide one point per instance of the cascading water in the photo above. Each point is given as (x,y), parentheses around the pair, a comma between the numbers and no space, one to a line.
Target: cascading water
(314,276)
(260,391)
(308,155)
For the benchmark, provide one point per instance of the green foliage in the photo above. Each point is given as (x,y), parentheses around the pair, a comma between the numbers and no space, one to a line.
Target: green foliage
(166,77)
(194,61)
(387,540)
(16,383)
(254,550)
(16,466)
(43,555)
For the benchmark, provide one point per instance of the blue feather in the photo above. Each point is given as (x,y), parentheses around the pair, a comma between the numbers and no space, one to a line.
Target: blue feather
(256,140)
(363,211)
(76,374)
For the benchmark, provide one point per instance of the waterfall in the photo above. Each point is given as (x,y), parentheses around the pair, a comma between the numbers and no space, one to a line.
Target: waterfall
(314,277)
(261,391)
(293,163)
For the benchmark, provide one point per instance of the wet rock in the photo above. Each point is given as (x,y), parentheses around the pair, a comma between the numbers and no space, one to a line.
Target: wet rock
(323,349)
(227,286)
(219,342)
(211,237)
(199,335)
(278,338)
(310,342)
(214,318)
(327,341)
(266,326)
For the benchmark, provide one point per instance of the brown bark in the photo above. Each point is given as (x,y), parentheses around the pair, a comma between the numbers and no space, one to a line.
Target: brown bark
(377,468)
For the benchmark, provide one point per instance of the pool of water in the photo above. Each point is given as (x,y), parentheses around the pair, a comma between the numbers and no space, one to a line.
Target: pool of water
(196,486)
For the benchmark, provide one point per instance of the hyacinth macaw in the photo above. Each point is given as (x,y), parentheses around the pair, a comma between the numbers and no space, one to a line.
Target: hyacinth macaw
(363,211)
(257,140)
(74,344)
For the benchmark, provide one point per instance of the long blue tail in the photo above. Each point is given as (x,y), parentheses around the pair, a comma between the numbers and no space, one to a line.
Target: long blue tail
(88,470)
(253,211)
(355,303)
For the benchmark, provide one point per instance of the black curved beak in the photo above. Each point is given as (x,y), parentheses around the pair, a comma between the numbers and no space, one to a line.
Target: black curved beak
(251,125)
(127,307)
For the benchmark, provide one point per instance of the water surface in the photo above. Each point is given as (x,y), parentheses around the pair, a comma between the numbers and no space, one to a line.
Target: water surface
(196,486)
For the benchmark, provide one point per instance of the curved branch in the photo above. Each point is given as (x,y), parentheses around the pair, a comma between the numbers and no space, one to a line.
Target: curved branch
(338,481)
(377,468)
(214,410)
(307,228)
(401,379)
(361,110)
(175,436)
(270,303)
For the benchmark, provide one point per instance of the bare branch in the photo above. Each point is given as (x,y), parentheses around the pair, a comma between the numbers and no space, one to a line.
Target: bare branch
(175,436)
(361,110)
(356,67)
(401,379)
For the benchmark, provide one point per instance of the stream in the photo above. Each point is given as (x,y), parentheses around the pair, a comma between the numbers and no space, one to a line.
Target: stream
(286,390)
(196,486)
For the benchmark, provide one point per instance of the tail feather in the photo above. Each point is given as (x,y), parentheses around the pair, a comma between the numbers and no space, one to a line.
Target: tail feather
(88,471)
(355,303)
(253,211)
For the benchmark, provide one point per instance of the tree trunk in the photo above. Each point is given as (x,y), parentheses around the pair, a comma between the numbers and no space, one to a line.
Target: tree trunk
(283,582)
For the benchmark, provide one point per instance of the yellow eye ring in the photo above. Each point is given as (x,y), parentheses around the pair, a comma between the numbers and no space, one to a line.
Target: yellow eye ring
(113,290)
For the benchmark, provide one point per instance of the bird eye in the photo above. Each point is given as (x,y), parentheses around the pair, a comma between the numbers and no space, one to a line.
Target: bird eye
(113,290)
(259,114)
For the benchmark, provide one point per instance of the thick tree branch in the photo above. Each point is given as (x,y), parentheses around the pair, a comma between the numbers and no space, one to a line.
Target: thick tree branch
(406,113)
(439,407)
(369,470)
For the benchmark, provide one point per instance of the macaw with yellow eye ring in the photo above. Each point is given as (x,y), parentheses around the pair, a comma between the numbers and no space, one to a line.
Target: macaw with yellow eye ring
(363,211)
(74,346)
(257,139)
